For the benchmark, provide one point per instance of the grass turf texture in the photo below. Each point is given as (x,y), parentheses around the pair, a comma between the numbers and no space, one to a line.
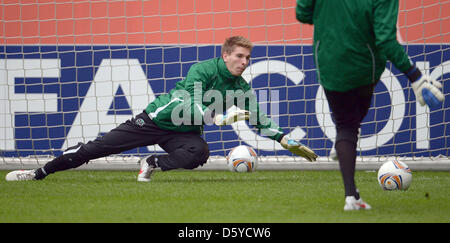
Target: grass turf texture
(220,197)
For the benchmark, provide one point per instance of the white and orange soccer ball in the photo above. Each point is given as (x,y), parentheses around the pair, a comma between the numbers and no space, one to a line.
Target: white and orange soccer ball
(394,175)
(242,159)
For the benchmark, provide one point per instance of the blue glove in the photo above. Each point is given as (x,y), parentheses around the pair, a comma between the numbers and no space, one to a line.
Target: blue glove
(427,92)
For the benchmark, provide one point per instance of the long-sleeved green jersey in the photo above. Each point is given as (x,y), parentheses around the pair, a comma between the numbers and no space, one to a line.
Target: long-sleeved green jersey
(207,89)
(353,39)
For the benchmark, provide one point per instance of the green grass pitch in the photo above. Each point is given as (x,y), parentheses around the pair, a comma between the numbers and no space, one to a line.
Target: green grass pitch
(219,197)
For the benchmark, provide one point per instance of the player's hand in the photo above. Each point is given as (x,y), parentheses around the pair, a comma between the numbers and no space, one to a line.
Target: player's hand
(427,91)
(298,149)
(232,117)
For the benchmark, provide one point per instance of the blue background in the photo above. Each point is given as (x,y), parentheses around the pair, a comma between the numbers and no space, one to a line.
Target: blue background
(38,133)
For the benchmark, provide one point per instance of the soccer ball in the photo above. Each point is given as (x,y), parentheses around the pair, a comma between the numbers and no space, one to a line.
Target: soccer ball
(242,159)
(394,175)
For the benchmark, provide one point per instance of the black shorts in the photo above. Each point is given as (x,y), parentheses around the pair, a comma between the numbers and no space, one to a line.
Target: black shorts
(349,108)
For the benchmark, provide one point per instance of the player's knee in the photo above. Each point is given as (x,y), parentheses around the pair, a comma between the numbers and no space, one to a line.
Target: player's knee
(189,156)
(349,134)
(200,154)
(203,156)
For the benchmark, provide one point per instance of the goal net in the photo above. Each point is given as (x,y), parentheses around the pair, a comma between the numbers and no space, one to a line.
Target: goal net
(71,71)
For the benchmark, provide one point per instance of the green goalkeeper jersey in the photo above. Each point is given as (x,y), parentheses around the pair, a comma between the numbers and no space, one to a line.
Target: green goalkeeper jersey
(209,88)
(353,39)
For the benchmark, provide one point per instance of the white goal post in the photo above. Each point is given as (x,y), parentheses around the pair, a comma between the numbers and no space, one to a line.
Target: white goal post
(71,70)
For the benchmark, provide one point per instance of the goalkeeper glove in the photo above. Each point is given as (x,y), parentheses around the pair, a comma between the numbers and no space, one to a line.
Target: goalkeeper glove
(298,149)
(425,88)
(427,92)
(232,117)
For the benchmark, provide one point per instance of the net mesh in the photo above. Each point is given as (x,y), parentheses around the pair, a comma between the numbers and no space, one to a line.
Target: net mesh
(71,71)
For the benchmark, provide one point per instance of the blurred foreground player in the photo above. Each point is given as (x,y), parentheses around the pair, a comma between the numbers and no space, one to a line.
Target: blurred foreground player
(175,120)
(353,39)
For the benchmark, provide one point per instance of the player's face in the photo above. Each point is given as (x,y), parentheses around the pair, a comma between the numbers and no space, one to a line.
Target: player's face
(237,61)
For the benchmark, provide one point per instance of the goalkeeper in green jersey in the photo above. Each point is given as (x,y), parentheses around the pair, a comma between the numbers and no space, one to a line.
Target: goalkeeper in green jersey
(175,120)
(353,39)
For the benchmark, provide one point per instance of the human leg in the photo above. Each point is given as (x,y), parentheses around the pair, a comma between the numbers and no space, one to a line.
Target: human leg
(136,132)
(185,150)
(348,110)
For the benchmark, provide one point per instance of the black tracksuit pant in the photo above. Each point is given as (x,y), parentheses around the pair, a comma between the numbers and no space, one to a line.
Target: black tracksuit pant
(185,150)
(348,109)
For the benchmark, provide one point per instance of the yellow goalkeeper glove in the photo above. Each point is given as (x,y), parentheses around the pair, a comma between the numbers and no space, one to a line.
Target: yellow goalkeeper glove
(298,149)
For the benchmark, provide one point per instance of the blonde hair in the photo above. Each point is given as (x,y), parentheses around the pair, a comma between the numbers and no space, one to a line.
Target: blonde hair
(231,42)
